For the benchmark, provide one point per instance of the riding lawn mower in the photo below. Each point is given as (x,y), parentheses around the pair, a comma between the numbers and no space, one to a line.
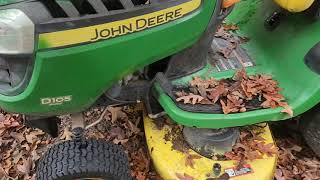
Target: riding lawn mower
(64,56)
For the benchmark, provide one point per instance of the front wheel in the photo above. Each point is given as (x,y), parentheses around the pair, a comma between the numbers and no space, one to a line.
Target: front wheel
(84,159)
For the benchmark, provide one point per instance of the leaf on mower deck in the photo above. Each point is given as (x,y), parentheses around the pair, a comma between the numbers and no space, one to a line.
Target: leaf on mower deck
(184,176)
(268,149)
(226,51)
(217,92)
(190,99)
(199,82)
(230,27)
(67,134)
(288,110)
(232,156)
(240,75)
(229,107)
(181,93)
(252,155)
(206,102)
(190,160)
(221,33)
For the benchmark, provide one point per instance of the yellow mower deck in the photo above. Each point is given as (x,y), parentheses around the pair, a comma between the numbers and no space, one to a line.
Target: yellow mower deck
(169,162)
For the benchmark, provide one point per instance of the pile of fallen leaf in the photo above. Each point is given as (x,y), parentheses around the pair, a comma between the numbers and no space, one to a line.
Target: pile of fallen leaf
(296,160)
(21,147)
(250,146)
(236,94)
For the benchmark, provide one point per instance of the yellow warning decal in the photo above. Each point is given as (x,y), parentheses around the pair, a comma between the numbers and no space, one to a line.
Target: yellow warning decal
(116,28)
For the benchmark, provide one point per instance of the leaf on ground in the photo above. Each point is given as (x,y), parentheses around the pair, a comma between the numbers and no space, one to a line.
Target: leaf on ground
(2,173)
(278,175)
(32,136)
(190,160)
(25,167)
(67,134)
(184,176)
(16,156)
(116,113)
(190,99)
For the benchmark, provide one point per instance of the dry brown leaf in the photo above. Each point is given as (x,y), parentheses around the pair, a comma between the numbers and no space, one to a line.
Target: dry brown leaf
(217,92)
(181,93)
(199,82)
(25,167)
(116,113)
(184,176)
(230,27)
(2,173)
(190,160)
(16,156)
(18,136)
(288,110)
(190,99)
(226,51)
(67,134)
(32,136)
(278,175)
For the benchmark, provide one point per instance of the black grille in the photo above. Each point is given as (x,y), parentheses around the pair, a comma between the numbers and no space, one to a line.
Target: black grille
(13,74)
(78,8)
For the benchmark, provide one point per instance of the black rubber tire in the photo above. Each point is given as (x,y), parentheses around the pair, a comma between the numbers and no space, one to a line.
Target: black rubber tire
(310,128)
(84,159)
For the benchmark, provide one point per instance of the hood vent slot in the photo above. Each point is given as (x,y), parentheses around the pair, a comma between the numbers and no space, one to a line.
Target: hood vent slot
(98,6)
(113,4)
(84,7)
(53,7)
(78,8)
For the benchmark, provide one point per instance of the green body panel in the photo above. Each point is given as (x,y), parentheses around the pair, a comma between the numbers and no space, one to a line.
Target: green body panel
(85,72)
(279,53)
(4,2)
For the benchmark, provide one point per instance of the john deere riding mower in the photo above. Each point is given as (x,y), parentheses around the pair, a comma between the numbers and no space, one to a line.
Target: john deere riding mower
(64,56)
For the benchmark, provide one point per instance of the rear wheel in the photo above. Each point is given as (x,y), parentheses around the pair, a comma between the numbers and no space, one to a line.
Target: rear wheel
(84,159)
(310,128)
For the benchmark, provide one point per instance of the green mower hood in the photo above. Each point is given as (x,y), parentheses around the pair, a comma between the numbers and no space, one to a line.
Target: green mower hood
(5,2)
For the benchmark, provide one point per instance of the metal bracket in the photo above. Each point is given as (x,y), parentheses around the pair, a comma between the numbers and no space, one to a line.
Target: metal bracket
(77,120)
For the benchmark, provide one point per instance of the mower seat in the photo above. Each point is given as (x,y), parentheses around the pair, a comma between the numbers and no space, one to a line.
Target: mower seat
(295,5)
